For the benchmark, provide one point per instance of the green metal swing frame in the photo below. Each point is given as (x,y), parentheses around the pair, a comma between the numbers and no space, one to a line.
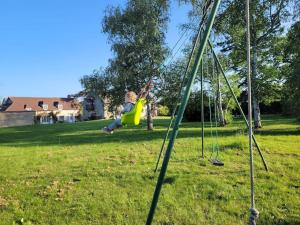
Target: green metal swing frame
(180,107)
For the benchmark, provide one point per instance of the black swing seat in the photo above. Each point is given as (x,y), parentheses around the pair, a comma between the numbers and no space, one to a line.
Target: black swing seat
(217,162)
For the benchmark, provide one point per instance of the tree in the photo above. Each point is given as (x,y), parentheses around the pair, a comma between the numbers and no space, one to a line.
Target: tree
(292,71)
(137,37)
(224,99)
(172,78)
(97,85)
(266,26)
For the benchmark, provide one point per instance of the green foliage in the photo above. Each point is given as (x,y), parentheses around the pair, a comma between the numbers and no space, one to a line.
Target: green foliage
(98,83)
(193,108)
(136,34)
(228,117)
(267,19)
(266,25)
(71,174)
(292,71)
(172,78)
(228,103)
(163,110)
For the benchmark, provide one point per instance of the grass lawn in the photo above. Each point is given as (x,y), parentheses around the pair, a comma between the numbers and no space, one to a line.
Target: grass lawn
(73,174)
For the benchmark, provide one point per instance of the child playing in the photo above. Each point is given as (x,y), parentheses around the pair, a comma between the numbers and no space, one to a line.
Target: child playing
(130,99)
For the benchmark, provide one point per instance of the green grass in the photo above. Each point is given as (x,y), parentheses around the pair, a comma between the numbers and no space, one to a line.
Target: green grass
(73,174)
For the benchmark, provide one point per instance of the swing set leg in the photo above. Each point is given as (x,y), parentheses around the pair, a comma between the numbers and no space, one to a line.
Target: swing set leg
(181,110)
(164,142)
(238,104)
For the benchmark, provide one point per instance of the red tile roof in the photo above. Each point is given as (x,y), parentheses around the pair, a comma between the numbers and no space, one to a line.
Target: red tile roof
(19,103)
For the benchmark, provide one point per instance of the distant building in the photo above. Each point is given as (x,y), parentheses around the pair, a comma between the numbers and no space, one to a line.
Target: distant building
(46,110)
(92,108)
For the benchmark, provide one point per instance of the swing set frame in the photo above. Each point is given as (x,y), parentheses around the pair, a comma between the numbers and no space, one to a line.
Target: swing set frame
(179,108)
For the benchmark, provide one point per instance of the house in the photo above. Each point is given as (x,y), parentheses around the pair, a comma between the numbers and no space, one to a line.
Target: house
(46,110)
(92,108)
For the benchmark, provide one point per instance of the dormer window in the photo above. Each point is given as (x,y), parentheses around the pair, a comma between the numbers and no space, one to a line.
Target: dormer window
(45,106)
(60,106)
(27,108)
(41,103)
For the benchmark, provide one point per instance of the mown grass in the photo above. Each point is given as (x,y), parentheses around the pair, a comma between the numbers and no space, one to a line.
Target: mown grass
(73,174)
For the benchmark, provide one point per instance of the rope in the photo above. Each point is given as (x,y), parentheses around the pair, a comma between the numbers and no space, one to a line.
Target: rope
(254,212)
(146,89)
(149,85)
(172,56)
(180,94)
(253,216)
(181,36)
(214,89)
(211,126)
(182,86)
(212,94)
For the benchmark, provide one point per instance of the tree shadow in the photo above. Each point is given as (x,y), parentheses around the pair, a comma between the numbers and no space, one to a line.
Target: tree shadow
(90,133)
(279,221)
(47,138)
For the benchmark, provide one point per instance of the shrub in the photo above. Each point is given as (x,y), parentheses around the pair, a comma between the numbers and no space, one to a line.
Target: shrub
(163,110)
(193,108)
(228,117)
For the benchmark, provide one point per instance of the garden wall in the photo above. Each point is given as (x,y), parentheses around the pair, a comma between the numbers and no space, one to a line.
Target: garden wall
(13,119)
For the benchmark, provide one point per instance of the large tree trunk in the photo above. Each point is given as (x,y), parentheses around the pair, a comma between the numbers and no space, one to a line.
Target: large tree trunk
(149,116)
(219,99)
(255,103)
(256,112)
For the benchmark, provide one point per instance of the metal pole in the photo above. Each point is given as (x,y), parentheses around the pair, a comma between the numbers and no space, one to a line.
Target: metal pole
(166,136)
(181,111)
(238,104)
(253,211)
(179,94)
(202,110)
(190,60)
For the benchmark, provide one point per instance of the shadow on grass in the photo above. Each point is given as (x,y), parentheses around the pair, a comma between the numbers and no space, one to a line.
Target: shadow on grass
(94,137)
(89,133)
(280,221)
(277,132)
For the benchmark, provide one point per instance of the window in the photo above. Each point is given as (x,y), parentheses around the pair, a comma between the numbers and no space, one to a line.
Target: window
(45,120)
(40,104)
(27,108)
(45,106)
(70,118)
(89,105)
(60,106)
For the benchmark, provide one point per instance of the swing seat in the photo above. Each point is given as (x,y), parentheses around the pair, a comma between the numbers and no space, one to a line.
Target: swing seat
(217,162)
(134,116)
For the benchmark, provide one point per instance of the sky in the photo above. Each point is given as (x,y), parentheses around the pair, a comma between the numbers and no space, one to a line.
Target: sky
(46,46)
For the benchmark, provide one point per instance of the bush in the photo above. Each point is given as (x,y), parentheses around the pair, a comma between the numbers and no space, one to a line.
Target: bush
(163,110)
(228,117)
(193,109)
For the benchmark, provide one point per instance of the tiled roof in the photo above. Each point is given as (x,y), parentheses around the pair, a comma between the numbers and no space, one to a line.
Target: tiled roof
(32,104)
